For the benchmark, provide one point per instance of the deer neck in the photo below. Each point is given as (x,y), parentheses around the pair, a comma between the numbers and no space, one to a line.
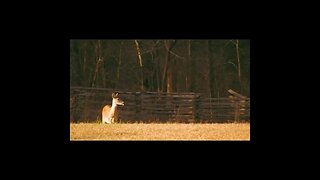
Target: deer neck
(113,107)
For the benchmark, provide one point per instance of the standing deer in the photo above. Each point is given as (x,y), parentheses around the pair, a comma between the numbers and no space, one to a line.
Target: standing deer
(109,113)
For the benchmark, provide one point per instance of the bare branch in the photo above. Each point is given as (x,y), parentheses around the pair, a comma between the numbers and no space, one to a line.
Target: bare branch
(173,52)
(235,66)
(233,42)
(152,49)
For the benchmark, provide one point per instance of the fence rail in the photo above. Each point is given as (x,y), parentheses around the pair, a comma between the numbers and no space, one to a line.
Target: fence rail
(86,105)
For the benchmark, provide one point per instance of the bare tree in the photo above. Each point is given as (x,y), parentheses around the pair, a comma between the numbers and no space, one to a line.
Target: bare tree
(236,43)
(203,65)
(140,63)
(168,69)
(98,61)
(119,61)
(156,64)
(239,67)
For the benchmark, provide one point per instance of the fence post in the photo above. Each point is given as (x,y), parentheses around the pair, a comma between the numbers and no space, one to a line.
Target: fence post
(236,114)
(196,107)
(71,107)
(138,106)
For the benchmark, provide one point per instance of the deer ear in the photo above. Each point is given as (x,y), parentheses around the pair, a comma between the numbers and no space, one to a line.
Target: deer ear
(115,94)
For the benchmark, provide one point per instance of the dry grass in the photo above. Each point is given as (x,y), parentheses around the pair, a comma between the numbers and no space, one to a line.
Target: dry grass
(91,131)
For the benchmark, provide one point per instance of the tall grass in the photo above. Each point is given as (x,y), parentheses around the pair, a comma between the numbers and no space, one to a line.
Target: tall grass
(165,131)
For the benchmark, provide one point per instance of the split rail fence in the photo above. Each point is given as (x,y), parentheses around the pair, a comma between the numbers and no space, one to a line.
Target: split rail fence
(86,105)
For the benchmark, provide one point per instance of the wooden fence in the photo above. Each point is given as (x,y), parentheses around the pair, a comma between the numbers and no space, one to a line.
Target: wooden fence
(86,105)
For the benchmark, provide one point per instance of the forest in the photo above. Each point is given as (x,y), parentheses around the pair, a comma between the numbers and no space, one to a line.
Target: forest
(208,66)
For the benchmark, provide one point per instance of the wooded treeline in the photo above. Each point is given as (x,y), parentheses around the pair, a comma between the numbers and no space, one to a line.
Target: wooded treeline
(201,66)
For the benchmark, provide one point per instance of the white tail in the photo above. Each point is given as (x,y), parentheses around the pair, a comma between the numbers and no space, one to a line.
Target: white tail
(109,113)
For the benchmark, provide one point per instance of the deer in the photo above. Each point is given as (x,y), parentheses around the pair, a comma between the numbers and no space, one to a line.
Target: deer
(109,113)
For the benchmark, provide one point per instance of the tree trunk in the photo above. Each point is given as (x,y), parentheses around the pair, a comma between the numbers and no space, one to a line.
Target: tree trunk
(164,69)
(169,75)
(98,60)
(192,69)
(188,74)
(239,68)
(119,63)
(168,67)
(211,69)
(141,65)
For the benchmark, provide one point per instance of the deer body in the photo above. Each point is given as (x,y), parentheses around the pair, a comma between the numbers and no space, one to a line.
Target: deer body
(109,113)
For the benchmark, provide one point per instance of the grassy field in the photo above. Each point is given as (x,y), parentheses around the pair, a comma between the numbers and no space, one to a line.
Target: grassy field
(92,131)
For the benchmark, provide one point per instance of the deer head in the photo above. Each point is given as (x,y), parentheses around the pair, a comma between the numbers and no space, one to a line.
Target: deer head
(116,100)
